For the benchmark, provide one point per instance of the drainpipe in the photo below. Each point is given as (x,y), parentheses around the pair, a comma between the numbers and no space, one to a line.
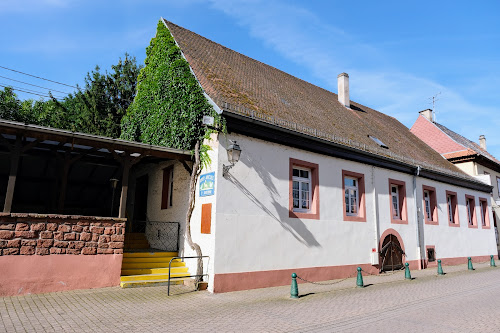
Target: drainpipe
(417,219)
(375,213)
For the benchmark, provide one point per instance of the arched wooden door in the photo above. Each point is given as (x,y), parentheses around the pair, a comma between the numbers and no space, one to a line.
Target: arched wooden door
(391,254)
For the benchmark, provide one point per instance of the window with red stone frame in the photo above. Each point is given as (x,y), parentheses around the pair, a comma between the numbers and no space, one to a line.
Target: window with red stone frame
(470,204)
(485,215)
(303,189)
(430,205)
(397,197)
(353,186)
(452,208)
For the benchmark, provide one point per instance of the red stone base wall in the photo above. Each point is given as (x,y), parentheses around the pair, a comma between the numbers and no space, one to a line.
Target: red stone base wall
(44,253)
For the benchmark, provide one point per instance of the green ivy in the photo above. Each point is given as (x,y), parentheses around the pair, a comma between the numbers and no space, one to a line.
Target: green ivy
(169,105)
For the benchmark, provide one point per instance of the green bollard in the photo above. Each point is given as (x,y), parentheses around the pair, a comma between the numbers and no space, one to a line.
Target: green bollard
(407,271)
(469,264)
(492,261)
(294,291)
(359,279)
(440,268)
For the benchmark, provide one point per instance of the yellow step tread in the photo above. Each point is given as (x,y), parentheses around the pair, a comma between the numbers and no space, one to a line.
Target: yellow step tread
(150,283)
(152,276)
(152,254)
(142,271)
(134,265)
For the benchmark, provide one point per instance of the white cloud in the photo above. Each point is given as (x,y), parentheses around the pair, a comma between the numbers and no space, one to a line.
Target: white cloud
(326,50)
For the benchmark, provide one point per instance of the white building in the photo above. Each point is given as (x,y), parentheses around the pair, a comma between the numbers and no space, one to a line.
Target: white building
(323,184)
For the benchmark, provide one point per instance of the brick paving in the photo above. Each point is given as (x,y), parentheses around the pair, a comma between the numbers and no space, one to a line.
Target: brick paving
(460,301)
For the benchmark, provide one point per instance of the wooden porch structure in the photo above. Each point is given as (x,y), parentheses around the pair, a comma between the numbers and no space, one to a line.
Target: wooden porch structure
(44,148)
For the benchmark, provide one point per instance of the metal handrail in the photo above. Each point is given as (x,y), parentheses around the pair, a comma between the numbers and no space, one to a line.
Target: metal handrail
(186,276)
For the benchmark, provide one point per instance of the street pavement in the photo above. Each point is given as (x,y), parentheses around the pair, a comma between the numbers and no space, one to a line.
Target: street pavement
(460,301)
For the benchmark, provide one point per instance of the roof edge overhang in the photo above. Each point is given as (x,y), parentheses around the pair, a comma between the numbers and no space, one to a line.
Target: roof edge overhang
(269,132)
(479,159)
(49,133)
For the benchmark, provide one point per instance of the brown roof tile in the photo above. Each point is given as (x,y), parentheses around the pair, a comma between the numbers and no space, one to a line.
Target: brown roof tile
(247,85)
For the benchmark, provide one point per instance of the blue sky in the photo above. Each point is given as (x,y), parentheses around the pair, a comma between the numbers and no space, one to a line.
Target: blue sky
(398,53)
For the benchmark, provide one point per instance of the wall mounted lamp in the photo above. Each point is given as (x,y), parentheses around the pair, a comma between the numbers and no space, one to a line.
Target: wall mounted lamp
(233,156)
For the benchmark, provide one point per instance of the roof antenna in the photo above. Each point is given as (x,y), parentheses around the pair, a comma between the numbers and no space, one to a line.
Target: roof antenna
(434,99)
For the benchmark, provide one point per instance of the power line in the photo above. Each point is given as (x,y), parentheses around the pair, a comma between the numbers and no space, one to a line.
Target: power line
(35,91)
(34,85)
(41,78)
(21,90)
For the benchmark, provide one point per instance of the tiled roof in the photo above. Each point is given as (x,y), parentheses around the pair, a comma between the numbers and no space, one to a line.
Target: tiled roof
(468,144)
(242,85)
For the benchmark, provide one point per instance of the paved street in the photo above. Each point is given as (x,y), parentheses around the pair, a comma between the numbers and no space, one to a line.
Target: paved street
(460,301)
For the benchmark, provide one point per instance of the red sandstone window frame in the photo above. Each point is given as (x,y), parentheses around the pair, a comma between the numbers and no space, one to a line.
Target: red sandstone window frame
(361,215)
(430,263)
(167,184)
(403,216)
(470,207)
(313,212)
(455,220)
(485,214)
(433,205)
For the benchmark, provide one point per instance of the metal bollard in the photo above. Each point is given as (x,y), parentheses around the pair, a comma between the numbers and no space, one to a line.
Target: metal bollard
(492,261)
(294,291)
(469,264)
(359,279)
(407,271)
(440,268)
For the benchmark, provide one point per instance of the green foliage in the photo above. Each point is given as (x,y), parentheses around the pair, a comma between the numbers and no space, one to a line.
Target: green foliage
(96,109)
(169,106)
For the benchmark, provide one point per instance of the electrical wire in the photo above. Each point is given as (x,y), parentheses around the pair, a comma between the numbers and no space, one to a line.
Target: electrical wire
(34,85)
(38,77)
(35,91)
(24,91)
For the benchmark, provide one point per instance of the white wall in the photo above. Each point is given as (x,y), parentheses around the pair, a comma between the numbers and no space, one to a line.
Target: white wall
(255,233)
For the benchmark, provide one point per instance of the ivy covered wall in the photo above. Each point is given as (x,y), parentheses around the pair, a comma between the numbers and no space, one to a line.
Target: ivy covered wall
(169,106)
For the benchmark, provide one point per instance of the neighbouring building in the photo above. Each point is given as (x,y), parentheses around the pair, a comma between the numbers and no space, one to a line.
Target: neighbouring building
(470,157)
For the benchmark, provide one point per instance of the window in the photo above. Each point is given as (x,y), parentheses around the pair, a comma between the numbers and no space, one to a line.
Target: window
(498,186)
(451,202)
(430,205)
(470,204)
(167,187)
(431,254)
(354,196)
(485,216)
(397,191)
(304,190)
(301,189)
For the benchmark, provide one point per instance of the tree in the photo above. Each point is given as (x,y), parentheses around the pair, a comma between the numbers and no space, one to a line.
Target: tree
(168,110)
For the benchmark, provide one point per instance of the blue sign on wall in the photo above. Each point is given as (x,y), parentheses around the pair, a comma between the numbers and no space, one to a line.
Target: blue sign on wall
(207,184)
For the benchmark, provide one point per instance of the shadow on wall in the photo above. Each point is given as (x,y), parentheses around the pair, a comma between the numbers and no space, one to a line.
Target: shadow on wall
(296,227)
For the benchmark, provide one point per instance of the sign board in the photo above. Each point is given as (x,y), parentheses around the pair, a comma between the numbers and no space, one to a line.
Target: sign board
(207,184)
(207,120)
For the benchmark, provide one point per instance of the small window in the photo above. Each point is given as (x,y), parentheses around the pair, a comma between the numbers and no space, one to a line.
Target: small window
(430,205)
(354,196)
(167,187)
(498,186)
(451,202)
(378,141)
(485,216)
(304,190)
(431,254)
(396,213)
(397,191)
(470,204)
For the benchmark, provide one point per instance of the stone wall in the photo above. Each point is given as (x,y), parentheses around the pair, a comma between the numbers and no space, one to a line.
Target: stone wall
(37,234)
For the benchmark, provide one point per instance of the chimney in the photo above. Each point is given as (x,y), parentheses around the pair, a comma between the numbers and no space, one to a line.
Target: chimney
(482,142)
(428,114)
(343,86)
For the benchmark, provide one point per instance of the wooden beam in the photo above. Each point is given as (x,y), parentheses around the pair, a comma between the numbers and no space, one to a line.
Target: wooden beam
(14,163)
(123,197)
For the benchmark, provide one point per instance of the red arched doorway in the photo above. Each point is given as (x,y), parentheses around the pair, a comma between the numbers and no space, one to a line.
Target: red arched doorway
(391,251)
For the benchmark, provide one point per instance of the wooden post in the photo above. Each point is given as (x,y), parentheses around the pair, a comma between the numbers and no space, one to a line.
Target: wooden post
(123,197)
(14,163)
